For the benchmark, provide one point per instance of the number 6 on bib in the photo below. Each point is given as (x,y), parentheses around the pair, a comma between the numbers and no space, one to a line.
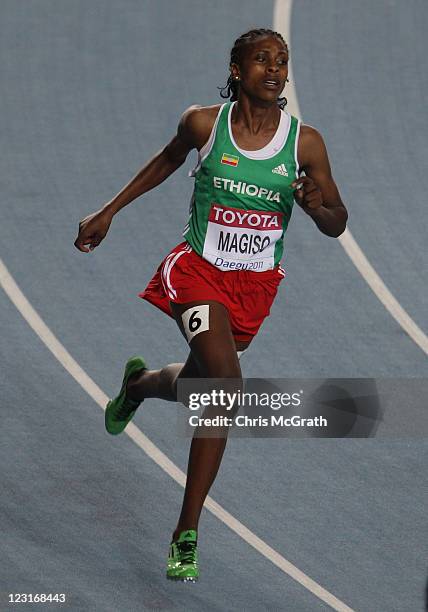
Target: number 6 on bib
(196,320)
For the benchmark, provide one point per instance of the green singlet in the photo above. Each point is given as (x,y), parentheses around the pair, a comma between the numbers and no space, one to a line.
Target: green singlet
(242,200)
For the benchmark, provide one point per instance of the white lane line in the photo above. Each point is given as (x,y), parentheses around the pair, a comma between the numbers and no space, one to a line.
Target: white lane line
(381,291)
(281,23)
(66,360)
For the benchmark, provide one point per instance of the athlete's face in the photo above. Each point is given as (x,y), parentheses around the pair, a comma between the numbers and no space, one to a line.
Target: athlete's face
(263,69)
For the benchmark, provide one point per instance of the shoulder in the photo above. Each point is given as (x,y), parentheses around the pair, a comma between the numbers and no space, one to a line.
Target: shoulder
(310,146)
(309,135)
(199,115)
(196,124)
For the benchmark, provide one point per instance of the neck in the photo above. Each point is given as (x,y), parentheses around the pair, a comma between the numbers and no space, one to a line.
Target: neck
(256,115)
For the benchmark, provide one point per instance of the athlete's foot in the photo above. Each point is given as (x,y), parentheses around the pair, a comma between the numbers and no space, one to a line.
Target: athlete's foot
(134,391)
(121,409)
(179,529)
(183,557)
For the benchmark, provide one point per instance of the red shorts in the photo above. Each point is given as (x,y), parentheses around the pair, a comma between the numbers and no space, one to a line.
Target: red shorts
(184,277)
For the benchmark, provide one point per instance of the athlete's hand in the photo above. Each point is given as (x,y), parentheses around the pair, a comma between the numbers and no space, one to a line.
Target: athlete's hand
(92,230)
(307,195)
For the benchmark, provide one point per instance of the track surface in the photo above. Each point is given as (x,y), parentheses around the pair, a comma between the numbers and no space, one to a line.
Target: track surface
(89,92)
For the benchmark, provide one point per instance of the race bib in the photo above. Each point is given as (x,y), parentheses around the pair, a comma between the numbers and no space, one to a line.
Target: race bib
(242,239)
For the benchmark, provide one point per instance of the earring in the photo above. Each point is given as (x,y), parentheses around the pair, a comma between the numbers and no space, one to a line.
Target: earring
(236,78)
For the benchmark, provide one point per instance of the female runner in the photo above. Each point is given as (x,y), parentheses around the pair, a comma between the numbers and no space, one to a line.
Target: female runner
(220,283)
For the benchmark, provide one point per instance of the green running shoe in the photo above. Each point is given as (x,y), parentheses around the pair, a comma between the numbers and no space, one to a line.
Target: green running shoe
(183,557)
(120,410)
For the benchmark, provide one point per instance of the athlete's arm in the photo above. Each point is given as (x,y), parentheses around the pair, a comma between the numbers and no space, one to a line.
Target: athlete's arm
(193,131)
(317,194)
(189,134)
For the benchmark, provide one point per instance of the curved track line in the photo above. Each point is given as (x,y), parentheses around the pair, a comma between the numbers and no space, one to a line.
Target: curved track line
(66,360)
(281,23)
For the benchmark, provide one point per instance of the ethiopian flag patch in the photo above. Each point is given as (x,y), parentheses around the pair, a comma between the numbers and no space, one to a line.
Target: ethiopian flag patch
(229,160)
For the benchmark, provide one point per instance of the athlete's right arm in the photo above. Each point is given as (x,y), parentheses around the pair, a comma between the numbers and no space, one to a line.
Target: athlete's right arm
(193,131)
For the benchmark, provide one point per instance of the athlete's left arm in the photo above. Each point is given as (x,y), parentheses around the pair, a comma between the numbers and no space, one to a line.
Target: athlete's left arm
(317,194)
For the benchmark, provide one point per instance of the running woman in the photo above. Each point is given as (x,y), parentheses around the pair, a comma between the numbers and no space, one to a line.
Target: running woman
(219,284)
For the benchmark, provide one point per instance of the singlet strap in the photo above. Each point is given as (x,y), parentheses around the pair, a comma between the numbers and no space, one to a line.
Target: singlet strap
(206,149)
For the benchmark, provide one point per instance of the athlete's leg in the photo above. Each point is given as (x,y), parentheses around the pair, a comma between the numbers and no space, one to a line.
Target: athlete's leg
(163,383)
(160,383)
(214,353)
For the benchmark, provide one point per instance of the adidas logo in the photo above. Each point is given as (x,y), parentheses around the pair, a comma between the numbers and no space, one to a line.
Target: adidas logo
(281,169)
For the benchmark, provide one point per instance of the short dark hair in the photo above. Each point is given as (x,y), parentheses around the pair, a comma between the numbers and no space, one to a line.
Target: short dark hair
(231,89)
